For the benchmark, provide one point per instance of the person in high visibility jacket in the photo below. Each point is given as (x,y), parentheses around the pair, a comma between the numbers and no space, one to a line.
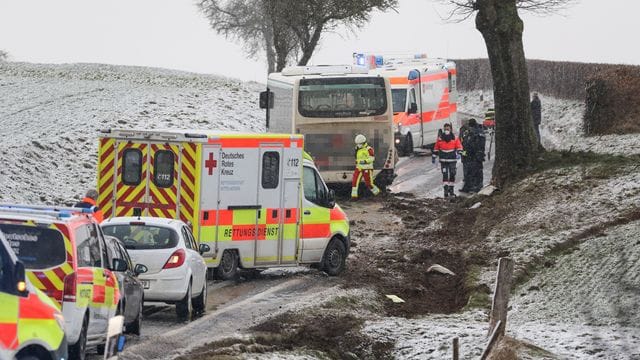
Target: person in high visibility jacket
(365,157)
(88,202)
(447,148)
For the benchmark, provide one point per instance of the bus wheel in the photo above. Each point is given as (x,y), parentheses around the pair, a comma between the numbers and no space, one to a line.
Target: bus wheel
(335,256)
(228,268)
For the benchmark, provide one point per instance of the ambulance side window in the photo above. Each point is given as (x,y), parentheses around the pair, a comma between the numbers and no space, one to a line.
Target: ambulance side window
(314,189)
(270,169)
(163,169)
(132,165)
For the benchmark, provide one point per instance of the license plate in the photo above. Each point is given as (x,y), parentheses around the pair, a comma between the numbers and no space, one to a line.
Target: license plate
(145,283)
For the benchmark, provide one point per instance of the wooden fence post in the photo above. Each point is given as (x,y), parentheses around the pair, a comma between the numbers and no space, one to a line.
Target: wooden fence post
(456,354)
(500,302)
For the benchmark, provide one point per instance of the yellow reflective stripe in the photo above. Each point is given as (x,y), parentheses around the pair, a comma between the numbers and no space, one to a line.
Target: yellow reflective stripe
(45,330)
(35,281)
(289,231)
(98,277)
(53,278)
(8,308)
(244,217)
(319,215)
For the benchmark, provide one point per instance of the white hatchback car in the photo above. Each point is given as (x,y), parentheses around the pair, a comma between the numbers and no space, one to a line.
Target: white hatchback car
(176,270)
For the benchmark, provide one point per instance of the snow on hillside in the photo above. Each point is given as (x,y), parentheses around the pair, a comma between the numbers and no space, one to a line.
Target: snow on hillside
(561,127)
(50,116)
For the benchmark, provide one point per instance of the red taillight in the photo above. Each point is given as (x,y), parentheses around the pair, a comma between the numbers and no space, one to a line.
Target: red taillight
(175,260)
(70,287)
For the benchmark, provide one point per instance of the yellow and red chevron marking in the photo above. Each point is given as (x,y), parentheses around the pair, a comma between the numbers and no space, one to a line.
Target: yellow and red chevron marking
(188,183)
(51,281)
(128,197)
(106,168)
(163,200)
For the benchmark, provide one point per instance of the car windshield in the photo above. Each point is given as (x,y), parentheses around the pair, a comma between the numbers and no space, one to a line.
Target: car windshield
(399,100)
(142,237)
(342,97)
(36,247)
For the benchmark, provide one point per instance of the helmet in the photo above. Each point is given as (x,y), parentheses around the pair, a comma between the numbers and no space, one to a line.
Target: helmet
(360,139)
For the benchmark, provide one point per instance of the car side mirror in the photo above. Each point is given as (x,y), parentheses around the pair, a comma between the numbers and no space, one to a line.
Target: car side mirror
(140,269)
(331,198)
(20,279)
(413,108)
(266,99)
(204,248)
(119,265)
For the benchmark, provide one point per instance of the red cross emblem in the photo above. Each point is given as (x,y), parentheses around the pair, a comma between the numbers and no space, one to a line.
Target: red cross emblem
(211,163)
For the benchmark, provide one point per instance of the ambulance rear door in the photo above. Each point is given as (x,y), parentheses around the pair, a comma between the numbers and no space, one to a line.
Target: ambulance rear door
(132,164)
(147,179)
(162,181)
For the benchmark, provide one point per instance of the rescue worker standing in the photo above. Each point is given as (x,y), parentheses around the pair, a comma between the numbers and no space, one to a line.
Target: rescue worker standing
(88,202)
(447,148)
(536,114)
(473,142)
(364,167)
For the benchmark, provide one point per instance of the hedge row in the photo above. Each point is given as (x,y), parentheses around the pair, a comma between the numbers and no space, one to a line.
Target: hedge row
(560,79)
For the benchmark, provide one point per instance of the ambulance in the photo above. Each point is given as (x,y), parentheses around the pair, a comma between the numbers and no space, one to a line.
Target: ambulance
(424,96)
(256,199)
(31,326)
(65,257)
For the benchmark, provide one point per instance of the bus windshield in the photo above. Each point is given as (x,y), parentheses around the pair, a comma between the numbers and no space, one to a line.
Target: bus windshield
(399,100)
(342,97)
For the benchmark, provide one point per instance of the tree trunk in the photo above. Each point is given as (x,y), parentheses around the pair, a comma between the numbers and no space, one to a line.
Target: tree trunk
(309,47)
(268,45)
(516,142)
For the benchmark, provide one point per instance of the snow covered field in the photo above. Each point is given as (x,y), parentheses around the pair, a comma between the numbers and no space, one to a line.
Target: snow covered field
(50,116)
(582,305)
(561,126)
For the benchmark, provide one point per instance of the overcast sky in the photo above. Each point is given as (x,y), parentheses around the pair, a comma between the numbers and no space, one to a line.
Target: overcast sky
(173,34)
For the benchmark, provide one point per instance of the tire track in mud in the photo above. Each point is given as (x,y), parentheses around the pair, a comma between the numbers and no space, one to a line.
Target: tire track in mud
(246,308)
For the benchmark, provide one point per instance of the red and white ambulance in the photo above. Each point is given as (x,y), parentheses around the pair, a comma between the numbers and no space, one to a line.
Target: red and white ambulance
(424,96)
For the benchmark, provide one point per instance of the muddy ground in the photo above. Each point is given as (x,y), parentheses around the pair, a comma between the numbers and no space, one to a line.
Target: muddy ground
(562,206)
(392,249)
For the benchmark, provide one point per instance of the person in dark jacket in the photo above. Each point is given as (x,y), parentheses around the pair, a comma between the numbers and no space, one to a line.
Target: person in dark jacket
(88,202)
(447,148)
(474,142)
(536,114)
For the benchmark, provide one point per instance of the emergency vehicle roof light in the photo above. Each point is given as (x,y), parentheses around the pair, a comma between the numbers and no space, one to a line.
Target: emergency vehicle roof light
(195,136)
(105,131)
(61,212)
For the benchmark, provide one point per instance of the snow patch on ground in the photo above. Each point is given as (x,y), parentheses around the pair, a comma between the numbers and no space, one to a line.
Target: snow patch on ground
(431,337)
(561,127)
(50,116)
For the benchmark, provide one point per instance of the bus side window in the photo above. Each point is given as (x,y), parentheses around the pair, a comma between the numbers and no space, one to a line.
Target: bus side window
(450,82)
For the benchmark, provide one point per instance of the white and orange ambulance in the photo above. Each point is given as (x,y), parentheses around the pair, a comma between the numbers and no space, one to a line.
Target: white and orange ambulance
(257,200)
(424,96)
